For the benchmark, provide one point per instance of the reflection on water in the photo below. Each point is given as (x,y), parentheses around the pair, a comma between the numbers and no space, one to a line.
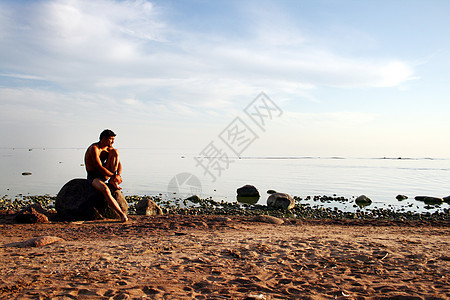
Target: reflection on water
(247,200)
(153,171)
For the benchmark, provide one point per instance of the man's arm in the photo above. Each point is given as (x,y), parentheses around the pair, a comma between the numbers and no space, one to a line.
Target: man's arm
(98,163)
(119,169)
(118,177)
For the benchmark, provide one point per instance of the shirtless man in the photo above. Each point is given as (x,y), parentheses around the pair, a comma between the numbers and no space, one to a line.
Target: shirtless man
(102,163)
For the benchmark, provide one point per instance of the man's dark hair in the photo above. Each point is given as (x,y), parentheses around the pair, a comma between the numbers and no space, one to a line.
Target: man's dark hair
(106,134)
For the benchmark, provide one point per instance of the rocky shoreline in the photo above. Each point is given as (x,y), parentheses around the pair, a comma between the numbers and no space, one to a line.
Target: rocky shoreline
(301,210)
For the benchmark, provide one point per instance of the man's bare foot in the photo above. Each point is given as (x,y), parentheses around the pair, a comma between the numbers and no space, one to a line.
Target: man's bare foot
(114,184)
(124,219)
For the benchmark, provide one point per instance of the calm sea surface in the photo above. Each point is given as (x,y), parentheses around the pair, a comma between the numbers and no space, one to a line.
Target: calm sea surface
(159,171)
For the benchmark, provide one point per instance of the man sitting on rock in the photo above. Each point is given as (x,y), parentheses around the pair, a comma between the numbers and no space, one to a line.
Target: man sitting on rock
(102,165)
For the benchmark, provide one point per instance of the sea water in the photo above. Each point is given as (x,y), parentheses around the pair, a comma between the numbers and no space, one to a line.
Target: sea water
(170,174)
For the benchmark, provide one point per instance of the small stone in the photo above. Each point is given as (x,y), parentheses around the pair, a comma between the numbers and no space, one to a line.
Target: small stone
(221,219)
(31,214)
(37,242)
(194,199)
(44,240)
(281,200)
(268,219)
(401,197)
(363,200)
(148,207)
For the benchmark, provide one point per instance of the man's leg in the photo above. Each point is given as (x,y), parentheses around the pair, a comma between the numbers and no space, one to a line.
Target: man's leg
(102,187)
(112,164)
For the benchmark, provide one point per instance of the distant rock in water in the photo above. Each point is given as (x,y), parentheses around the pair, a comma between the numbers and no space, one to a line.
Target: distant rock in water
(248,191)
(78,200)
(401,197)
(247,200)
(363,201)
(248,194)
(430,200)
(270,192)
(281,200)
(194,199)
(26,173)
(446,199)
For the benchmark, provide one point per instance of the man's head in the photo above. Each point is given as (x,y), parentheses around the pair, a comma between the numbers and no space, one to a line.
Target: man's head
(107,134)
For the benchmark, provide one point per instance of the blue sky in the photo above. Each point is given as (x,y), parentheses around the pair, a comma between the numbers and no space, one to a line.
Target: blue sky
(353,78)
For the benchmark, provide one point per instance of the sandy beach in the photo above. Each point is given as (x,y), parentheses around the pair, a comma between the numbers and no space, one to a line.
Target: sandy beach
(217,257)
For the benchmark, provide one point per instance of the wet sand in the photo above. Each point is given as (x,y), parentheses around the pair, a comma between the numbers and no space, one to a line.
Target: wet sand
(216,257)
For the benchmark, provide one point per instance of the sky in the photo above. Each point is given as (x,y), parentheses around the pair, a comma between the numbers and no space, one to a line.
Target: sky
(343,78)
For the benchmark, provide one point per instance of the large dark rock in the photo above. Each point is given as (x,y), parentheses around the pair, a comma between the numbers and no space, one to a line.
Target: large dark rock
(78,200)
(247,194)
(248,191)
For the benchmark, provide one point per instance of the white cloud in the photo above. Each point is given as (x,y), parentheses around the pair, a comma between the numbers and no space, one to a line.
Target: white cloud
(394,73)
(126,59)
(124,44)
(84,21)
(21,76)
(67,40)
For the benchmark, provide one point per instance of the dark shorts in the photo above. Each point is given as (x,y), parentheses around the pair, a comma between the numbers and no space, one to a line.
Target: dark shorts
(91,175)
